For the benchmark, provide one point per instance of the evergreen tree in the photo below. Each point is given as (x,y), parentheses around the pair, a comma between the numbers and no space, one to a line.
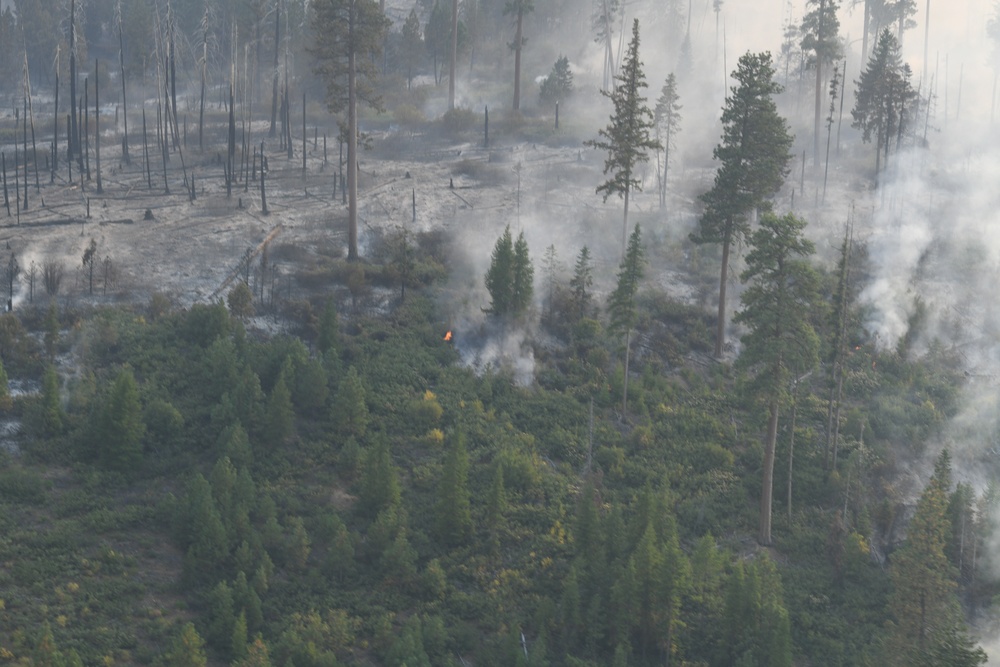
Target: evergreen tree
(883,97)
(621,303)
(349,35)
(454,514)
(500,275)
(279,420)
(437,37)
(820,28)
(50,413)
(120,426)
(412,47)
(667,121)
(51,330)
(523,286)
(517,9)
(754,161)
(239,639)
(379,482)
(202,531)
(257,655)
(928,627)
(780,343)
(45,653)
(350,412)
(627,137)
(581,283)
(326,341)
(188,649)
(558,85)
(220,617)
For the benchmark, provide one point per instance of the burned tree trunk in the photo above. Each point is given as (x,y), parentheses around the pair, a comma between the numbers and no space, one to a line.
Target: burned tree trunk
(55,126)
(274,81)
(97,124)
(73,143)
(121,70)
(145,151)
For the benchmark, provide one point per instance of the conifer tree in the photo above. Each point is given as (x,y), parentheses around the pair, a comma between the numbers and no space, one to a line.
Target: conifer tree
(581,283)
(120,427)
(220,617)
(928,627)
(454,514)
(523,286)
(326,341)
(558,85)
(349,35)
(279,424)
(350,411)
(412,46)
(754,161)
(622,300)
(883,97)
(517,9)
(820,28)
(238,651)
(500,275)
(627,137)
(780,343)
(379,482)
(667,121)
(188,649)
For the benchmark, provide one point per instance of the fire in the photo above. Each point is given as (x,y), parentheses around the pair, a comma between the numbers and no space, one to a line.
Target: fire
(447,337)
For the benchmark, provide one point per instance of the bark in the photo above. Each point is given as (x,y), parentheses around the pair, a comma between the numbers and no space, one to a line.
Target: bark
(517,59)
(720,327)
(121,70)
(274,82)
(454,55)
(767,486)
(97,124)
(352,155)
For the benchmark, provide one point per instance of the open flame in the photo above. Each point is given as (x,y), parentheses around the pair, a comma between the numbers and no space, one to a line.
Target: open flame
(447,336)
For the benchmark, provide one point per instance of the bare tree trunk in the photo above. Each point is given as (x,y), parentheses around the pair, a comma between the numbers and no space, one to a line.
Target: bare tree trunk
(819,85)
(454,56)
(204,77)
(55,126)
(73,144)
(86,124)
(864,32)
(274,83)
(97,124)
(518,40)
(628,333)
(145,151)
(767,485)
(121,69)
(720,327)
(352,149)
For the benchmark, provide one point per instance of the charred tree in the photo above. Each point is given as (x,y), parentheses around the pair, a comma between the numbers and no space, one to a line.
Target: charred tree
(274,80)
(97,124)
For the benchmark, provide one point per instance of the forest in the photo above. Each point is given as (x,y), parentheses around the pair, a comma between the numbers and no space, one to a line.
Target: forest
(492,333)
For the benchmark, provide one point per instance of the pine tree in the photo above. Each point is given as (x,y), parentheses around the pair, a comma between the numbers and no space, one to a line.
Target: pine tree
(188,649)
(279,420)
(558,85)
(500,275)
(454,514)
(627,137)
(667,121)
(379,482)
(780,343)
(412,47)
(220,617)
(517,9)
(581,283)
(326,341)
(523,286)
(120,426)
(350,412)
(820,28)
(621,303)
(883,97)
(350,38)
(923,602)
(238,650)
(754,161)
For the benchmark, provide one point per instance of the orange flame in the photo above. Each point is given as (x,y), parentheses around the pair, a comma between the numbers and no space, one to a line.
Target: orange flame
(447,337)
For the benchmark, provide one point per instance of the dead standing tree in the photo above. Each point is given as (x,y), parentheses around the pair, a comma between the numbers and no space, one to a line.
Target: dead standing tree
(89,259)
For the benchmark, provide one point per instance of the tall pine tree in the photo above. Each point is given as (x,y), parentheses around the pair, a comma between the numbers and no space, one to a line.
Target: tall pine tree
(627,137)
